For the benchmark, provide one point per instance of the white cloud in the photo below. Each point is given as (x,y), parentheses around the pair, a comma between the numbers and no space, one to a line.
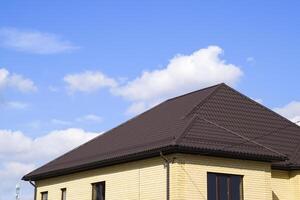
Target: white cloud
(14,169)
(135,108)
(3,77)
(16,105)
(53,88)
(250,59)
(19,154)
(13,142)
(57,142)
(258,100)
(35,124)
(290,111)
(10,173)
(21,83)
(61,122)
(15,81)
(184,73)
(20,146)
(34,41)
(88,81)
(90,118)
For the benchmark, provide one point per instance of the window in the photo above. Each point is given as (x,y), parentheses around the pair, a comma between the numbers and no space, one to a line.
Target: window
(98,192)
(63,194)
(44,195)
(224,187)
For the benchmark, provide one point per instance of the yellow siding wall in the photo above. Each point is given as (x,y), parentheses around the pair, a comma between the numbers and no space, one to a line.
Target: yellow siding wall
(146,180)
(190,181)
(141,180)
(285,185)
(295,182)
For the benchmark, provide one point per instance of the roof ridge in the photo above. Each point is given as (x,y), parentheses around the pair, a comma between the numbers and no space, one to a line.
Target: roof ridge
(292,124)
(241,136)
(186,128)
(179,136)
(205,99)
(206,88)
(297,150)
(263,107)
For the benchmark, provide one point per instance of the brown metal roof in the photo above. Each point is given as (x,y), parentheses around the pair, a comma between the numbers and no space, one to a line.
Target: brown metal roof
(216,121)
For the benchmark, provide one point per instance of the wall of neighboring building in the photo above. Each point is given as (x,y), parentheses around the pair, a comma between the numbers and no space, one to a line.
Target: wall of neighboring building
(285,185)
(144,180)
(189,176)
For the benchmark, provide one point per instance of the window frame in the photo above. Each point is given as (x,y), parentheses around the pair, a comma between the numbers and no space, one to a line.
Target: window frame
(63,190)
(103,185)
(229,180)
(44,193)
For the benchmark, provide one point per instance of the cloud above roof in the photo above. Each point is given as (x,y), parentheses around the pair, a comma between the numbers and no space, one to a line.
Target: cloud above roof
(20,153)
(35,42)
(88,81)
(184,73)
(290,111)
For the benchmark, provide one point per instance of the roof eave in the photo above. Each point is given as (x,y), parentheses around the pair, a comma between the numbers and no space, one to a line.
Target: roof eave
(152,153)
(288,167)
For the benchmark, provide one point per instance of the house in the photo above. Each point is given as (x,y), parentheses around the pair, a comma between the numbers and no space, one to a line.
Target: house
(214,144)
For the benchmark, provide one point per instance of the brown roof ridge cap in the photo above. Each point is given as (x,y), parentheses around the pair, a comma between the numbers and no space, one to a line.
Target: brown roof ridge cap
(291,124)
(295,153)
(170,99)
(190,122)
(195,91)
(243,137)
(201,103)
(264,107)
(185,130)
(122,124)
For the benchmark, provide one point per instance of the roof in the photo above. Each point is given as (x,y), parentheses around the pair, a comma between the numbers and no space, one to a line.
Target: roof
(215,121)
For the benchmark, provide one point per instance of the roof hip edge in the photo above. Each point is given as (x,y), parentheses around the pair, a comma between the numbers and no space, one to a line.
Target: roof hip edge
(241,136)
(201,103)
(179,136)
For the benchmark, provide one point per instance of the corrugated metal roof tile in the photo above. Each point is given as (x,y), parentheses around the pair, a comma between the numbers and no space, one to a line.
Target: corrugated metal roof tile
(240,128)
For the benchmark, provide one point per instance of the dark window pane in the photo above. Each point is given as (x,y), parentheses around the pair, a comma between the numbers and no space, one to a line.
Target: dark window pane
(211,186)
(235,182)
(63,194)
(44,195)
(222,187)
(99,191)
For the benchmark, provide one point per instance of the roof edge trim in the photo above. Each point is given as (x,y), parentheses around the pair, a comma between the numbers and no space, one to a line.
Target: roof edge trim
(149,154)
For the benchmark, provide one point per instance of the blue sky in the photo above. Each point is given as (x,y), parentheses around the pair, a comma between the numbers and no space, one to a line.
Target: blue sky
(71,70)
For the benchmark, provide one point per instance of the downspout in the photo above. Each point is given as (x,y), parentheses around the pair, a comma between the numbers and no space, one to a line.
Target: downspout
(35,189)
(167,165)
